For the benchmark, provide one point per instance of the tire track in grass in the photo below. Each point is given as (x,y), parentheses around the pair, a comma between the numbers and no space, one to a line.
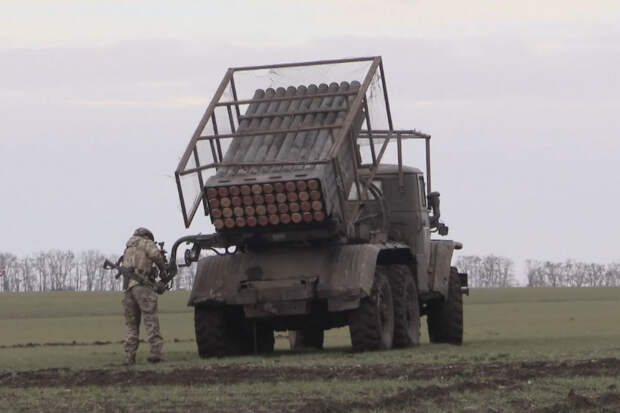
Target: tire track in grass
(81,343)
(499,373)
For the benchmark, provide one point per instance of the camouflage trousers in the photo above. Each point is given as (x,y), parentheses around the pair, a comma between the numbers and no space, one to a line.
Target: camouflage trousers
(140,301)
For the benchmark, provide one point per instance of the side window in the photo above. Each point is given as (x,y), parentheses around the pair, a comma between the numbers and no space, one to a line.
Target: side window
(422,191)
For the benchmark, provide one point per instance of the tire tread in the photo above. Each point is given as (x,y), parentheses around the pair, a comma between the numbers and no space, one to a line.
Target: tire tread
(363,327)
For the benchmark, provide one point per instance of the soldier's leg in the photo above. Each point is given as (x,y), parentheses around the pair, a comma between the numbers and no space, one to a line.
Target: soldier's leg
(132,320)
(147,299)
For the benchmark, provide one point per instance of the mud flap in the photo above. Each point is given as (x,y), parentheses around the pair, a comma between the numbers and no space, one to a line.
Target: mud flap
(439,270)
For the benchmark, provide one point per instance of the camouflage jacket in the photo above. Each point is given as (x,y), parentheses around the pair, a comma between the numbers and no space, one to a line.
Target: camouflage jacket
(141,253)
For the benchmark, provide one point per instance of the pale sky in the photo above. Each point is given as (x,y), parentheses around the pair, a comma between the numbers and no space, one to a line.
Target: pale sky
(99,99)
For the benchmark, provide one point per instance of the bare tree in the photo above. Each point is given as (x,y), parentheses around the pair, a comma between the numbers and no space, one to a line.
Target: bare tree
(185,278)
(61,265)
(570,274)
(8,267)
(90,262)
(26,274)
(612,275)
(40,263)
(488,271)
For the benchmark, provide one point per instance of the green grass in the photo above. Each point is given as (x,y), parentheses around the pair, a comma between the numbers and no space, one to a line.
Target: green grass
(501,325)
(183,398)
(60,304)
(524,324)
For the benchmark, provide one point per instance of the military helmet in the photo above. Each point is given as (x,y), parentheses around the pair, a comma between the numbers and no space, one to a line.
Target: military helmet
(145,233)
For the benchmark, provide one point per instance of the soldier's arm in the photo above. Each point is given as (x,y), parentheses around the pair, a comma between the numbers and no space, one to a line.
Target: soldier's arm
(154,254)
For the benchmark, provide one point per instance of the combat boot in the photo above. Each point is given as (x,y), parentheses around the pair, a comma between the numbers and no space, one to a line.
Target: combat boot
(130,360)
(154,359)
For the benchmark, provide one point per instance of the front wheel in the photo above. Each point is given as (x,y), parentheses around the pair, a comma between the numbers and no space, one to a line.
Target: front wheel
(445,319)
(372,324)
(406,307)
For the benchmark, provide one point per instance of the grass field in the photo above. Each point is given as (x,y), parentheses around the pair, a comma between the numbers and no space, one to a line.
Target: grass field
(524,350)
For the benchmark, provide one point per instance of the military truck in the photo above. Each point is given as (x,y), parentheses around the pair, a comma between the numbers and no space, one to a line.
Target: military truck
(313,230)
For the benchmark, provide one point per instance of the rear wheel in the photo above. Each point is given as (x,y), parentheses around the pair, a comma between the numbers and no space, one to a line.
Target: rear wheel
(406,307)
(372,324)
(445,319)
(225,332)
(214,335)
(308,338)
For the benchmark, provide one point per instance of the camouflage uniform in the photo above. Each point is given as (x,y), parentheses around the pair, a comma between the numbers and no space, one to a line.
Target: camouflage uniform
(141,254)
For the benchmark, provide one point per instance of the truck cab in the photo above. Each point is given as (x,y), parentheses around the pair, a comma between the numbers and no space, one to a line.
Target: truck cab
(401,211)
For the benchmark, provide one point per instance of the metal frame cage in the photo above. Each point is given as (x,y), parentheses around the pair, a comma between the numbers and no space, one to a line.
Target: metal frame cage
(365,126)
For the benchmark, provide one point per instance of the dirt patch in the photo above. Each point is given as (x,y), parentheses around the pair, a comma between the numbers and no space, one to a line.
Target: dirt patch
(402,400)
(464,378)
(408,399)
(607,402)
(80,343)
(493,374)
(324,406)
(57,344)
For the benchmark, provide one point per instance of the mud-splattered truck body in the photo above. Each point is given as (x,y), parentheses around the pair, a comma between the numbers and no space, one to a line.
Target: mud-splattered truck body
(313,230)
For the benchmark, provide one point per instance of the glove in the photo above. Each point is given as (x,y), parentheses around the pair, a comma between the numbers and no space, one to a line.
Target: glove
(164,277)
(160,288)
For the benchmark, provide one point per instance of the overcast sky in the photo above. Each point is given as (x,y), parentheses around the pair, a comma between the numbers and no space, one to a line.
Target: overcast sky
(99,99)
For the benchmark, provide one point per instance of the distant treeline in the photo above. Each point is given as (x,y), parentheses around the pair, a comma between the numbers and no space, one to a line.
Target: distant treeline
(495,271)
(572,274)
(488,271)
(58,270)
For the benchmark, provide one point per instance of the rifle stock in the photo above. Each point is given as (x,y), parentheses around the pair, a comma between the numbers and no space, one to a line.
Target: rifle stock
(158,287)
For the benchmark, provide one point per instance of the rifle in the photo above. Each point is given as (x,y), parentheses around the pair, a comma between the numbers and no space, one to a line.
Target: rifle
(155,272)
(128,272)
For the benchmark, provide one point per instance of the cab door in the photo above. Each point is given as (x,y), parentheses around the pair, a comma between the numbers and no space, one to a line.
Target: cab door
(423,235)
(409,220)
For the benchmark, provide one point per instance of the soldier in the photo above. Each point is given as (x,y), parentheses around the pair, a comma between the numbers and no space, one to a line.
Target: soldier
(141,253)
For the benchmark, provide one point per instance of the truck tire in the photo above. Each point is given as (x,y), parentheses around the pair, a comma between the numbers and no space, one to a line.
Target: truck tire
(213,335)
(264,339)
(221,332)
(406,307)
(445,320)
(372,324)
(309,338)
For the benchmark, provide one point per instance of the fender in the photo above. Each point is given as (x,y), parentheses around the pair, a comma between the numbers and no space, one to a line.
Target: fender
(439,268)
(341,274)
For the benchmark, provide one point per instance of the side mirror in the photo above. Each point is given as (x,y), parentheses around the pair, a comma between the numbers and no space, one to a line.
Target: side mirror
(433,200)
(442,229)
